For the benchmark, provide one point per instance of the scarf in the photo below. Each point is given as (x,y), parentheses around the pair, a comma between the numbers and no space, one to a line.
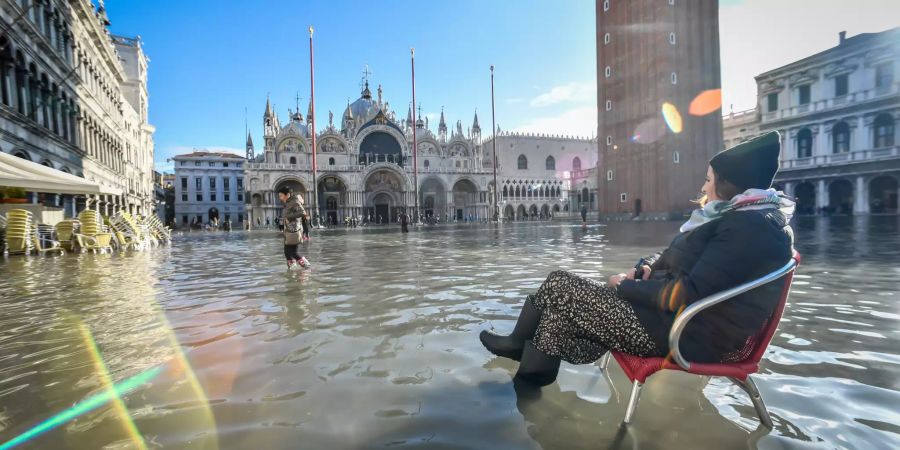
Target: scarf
(750,199)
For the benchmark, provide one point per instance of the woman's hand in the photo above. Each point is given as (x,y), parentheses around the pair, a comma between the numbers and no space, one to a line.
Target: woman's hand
(644,276)
(616,279)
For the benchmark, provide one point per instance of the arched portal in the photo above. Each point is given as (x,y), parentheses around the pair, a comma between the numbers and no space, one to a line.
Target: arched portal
(805,195)
(385,193)
(213,214)
(464,199)
(433,197)
(840,197)
(509,213)
(520,212)
(883,195)
(332,193)
(545,211)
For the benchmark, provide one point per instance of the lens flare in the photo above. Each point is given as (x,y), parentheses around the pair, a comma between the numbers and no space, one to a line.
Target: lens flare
(672,117)
(649,131)
(91,403)
(706,102)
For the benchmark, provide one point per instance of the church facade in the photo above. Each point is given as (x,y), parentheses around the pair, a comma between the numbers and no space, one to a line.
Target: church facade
(365,168)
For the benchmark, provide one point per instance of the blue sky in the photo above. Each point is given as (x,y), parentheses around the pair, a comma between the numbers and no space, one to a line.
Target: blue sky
(211,59)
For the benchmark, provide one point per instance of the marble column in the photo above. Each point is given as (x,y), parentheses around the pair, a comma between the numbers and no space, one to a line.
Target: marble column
(821,194)
(861,201)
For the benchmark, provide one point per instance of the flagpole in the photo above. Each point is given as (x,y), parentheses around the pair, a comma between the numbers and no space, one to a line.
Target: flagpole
(494,164)
(312,127)
(412,53)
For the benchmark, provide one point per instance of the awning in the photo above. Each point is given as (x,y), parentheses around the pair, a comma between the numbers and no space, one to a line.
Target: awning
(21,173)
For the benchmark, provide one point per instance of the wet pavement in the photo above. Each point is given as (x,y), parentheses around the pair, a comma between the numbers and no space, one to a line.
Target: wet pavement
(376,346)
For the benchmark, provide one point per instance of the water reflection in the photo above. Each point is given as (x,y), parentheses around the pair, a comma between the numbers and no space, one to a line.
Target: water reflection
(376,345)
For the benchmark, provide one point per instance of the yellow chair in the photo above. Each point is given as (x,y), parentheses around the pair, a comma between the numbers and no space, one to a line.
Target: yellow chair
(65,233)
(18,231)
(40,249)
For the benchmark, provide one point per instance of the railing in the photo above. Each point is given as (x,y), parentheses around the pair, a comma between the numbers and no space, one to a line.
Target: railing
(871,154)
(826,104)
(359,167)
(697,307)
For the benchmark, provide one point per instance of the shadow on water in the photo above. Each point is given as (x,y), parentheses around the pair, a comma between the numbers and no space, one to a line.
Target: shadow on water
(376,346)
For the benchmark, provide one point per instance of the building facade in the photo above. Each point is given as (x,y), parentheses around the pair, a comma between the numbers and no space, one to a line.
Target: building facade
(837,112)
(209,188)
(365,167)
(740,126)
(540,174)
(74,98)
(654,58)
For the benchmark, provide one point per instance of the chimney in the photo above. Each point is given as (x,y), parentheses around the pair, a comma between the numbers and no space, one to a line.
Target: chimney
(843,37)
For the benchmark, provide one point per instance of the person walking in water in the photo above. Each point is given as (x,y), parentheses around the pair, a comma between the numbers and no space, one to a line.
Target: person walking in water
(404,222)
(583,215)
(293,211)
(304,220)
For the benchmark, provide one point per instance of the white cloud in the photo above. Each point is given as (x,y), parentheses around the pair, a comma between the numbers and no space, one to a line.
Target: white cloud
(575,92)
(581,121)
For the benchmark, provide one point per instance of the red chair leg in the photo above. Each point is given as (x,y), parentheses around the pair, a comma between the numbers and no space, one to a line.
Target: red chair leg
(633,401)
(750,388)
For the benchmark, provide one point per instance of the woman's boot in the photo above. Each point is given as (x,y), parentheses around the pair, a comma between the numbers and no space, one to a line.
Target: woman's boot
(537,368)
(511,346)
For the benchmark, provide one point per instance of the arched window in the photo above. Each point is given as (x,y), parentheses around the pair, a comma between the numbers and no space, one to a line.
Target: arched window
(518,192)
(330,161)
(884,131)
(427,164)
(293,160)
(840,135)
(576,163)
(505,192)
(523,162)
(551,163)
(804,143)
(22,155)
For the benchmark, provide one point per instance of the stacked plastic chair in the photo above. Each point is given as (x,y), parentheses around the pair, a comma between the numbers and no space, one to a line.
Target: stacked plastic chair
(92,235)
(65,233)
(18,231)
(126,234)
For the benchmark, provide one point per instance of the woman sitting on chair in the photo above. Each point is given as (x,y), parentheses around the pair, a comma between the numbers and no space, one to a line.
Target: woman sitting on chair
(740,233)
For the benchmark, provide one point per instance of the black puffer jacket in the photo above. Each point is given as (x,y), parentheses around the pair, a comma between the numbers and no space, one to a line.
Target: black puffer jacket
(739,247)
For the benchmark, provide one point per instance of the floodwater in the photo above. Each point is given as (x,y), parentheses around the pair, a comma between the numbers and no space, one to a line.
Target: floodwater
(376,346)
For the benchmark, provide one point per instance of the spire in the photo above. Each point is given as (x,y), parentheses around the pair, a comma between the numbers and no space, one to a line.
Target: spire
(409,114)
(366,93)
(419,122)
(349,110)
(249,140)
(268,112)
(442,127)
(475,126)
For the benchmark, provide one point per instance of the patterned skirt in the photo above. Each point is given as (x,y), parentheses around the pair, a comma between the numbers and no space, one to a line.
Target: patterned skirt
(581,320)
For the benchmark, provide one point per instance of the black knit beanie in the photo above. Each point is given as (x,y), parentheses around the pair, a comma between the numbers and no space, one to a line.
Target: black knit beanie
(750,164)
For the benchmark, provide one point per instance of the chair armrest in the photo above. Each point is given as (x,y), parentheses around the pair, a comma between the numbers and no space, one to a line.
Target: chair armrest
(697,307)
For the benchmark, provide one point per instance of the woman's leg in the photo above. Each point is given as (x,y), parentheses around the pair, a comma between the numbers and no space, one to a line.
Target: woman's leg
(582,319)
(290,252)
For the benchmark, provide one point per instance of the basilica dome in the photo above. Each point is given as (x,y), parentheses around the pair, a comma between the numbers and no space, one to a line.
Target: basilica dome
(363,109)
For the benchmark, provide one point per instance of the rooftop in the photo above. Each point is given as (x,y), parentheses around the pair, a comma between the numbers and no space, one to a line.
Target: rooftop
(205,154)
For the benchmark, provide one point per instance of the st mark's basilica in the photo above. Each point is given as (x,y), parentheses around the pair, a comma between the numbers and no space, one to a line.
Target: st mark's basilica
(364,168)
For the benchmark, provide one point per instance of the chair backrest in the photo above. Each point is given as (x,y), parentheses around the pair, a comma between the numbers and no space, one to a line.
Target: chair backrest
(756,345)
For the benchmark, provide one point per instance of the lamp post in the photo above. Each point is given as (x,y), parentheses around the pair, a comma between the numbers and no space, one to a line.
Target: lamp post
(312,126)
(412,56)
(494,142)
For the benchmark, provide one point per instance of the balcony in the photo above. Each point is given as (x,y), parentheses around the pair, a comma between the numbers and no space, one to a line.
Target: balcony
(858,156)
(832,103)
